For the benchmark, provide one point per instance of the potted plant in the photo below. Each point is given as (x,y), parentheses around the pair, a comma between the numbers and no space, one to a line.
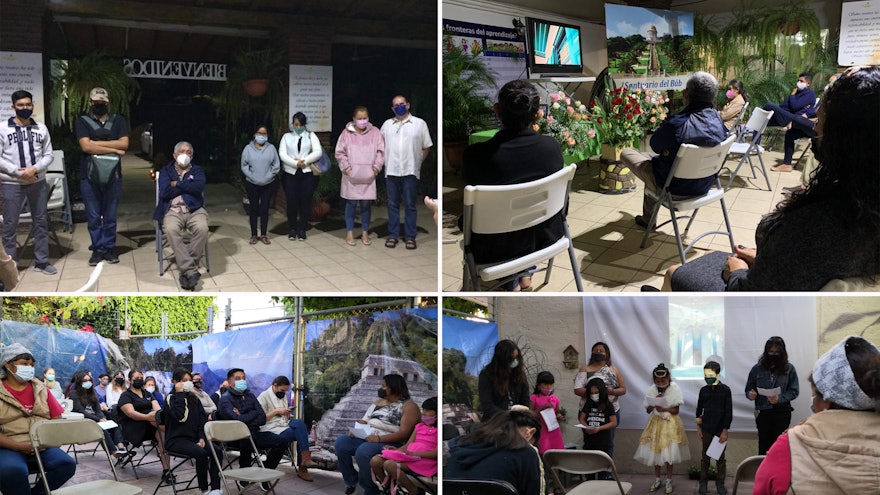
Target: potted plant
(568,122)
(327,189)
(694,472)
(260,68)
(619,119)
(75,80)
(466,108)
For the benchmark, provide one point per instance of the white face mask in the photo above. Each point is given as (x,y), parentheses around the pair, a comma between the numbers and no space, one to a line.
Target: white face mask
(514,363)
(24,373)
(150,389)
(801,85)
(187,386)
(594,397)
(183,160)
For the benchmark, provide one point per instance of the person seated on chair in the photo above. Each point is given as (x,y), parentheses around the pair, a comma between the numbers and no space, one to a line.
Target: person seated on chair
(207,403)
(224,386)
(240,404)
(698,124)
(51,384)
(501,449)
(185,420)
(831,229)
(181,207)
(151,387)
(85,401)
(834,451)
(797,113)
(277,409)
(114,392)
(24,401)
(137,416)
(516,154)
(737,99)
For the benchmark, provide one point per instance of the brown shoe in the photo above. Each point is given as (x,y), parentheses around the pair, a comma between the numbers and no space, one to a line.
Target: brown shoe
(303,474)
(265,240)
(253,240)
(782,168)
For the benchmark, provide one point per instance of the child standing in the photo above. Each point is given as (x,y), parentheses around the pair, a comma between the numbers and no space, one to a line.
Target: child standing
(542,399)
(664,440)
(598,418)
(714,414)
(418,455)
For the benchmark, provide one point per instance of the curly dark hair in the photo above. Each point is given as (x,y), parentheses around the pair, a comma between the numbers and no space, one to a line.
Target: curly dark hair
(848,175)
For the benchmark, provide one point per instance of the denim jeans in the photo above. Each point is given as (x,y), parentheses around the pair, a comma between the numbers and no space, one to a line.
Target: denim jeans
(36,195)
(355,449)
(366,211)
(101,205)
(406,187)
(14,466)
(298,431)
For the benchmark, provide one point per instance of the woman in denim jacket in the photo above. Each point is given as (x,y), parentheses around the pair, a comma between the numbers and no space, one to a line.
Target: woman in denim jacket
(772,412)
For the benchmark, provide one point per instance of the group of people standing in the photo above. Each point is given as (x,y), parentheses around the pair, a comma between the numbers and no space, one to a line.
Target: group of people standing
(362,151)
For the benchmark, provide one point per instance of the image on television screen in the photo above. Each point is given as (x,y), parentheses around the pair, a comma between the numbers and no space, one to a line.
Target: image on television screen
(556,45)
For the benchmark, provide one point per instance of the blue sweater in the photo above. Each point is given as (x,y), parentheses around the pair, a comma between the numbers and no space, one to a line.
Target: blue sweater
(191,187)
(802,102)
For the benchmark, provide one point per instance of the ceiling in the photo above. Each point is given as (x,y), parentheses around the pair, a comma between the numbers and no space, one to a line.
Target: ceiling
(212,30)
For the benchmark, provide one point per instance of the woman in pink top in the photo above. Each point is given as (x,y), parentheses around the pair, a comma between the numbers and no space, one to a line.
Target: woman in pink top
(360,152)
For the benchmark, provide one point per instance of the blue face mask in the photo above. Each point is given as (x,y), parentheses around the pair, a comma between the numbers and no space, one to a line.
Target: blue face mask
(400,109)
(260,139)
(87,385)
(240,385)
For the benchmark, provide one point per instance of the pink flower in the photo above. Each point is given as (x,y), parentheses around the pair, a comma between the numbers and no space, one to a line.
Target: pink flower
(569,110)
(87,328)
(565,133)
(591,134)
(44,319)
(653,119)
(554,97)
(571,141)
(568,101)
(540,113)
(550,118)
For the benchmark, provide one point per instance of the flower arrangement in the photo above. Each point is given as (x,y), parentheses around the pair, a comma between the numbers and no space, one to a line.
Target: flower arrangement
(625,115)
(654,109)
(568,122)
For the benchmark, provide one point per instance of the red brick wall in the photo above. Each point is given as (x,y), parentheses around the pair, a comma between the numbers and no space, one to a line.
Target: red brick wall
(21,25)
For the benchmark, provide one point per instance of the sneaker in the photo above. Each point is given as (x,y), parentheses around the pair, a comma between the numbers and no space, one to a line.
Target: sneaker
(668,486)
(719,487)
(110,257)
(95,258)
(301,236)
(292,236)
(704,488)
(655,486)
(46,268)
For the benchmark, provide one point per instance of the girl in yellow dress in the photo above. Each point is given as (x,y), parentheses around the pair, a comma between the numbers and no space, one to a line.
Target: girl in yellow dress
(664,440)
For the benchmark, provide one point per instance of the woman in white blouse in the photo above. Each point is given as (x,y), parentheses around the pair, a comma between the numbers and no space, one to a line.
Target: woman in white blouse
(299,150)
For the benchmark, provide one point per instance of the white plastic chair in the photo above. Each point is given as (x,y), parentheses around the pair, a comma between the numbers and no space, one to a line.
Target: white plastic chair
(509,208)
(92,282)
(585,462)
(735,128)
(56,433)
(66,212)
(746,470)
(233,431)
(160,242)
(692,162)
(755,127)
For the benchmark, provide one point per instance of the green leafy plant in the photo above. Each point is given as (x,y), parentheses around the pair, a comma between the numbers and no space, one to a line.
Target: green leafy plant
(75,79)
(568,122)
(466,108)
(243,112)
(624,115)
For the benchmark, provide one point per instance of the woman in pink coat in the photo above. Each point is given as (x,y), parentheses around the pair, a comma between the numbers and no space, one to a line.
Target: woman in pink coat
(360,152)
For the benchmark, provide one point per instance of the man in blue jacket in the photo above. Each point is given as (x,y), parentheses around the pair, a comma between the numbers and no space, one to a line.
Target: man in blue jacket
(180,207)
(797,113)
(699,124)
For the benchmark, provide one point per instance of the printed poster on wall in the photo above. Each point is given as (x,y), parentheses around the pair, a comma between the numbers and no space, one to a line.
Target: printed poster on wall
(859,34)
(21,70)
(503,49)
(311,92)
(649,48)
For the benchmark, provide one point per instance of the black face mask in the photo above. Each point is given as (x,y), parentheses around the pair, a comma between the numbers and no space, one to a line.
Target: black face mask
(100,110)
(197,384)
(280,395)
(137,383)
(119,381)
(382,393)
(24,113)
(597,357)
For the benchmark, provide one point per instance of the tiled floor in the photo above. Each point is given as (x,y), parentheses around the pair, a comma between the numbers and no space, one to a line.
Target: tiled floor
(324,263)
(607,240)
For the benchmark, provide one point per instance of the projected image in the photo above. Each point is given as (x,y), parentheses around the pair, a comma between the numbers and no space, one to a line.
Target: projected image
(696,335)
(648,42)
(556,45)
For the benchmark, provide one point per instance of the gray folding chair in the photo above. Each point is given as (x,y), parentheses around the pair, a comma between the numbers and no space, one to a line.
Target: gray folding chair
(227,431)
(746,470)
(755,128)
(478,487)
(692,162)
(56,433)
(585,462)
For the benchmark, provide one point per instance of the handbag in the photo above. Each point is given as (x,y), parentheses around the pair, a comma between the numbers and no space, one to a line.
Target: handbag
(103,169)
(322,166)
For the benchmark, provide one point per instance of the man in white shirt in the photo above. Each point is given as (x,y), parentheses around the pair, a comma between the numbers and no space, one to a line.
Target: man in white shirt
(407,143)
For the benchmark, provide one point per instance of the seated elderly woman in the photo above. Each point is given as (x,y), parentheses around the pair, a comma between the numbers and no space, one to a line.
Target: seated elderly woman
(24,401)
(835,450)
(831,229)
(501,449)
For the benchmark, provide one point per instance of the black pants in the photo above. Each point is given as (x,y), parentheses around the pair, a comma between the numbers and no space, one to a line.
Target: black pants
(259,198)
(771,423)
(299,189)
(720,464)
(203,458)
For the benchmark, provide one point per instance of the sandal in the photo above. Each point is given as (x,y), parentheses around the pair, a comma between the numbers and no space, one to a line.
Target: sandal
(390,243)
(411,244)
(349,240)
(365,238)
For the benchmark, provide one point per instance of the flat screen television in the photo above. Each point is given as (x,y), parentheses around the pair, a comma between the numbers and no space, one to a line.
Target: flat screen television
(554,48)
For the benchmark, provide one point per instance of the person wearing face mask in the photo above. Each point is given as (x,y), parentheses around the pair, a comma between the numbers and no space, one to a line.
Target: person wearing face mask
(205,398)
(260,166)
(103,138)
(796,113)
(600,366)
(181,207)
(392,420)
(598,418)
(736,100)
(114,392)
(500,449)
(25,155)
(418,455)
(502,383)
(834,451)
(360,152)
(101,386)
(778,381)
(299,150)
(137,416)
(24,401)
(542,398)
(238,403)
(713,417)
(184,419)
(85,401)
(151,387)
(407,144)
(52,384)
(274,403)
